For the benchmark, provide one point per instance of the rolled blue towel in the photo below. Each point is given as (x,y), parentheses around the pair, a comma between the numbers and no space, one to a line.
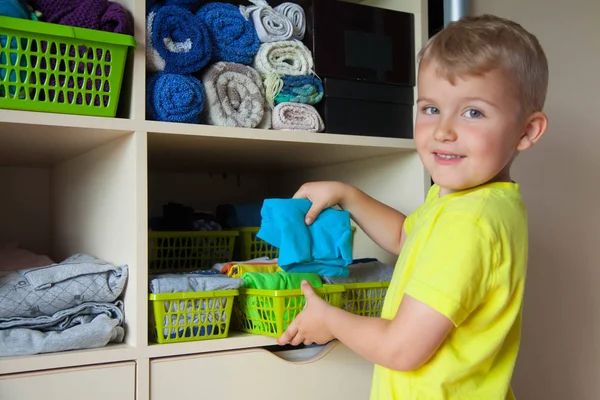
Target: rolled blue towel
(192,5)
(176,41)
(306,89)
(174,98)
(234,38)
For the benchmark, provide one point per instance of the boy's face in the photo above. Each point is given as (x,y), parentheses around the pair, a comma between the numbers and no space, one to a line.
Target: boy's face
(466,134)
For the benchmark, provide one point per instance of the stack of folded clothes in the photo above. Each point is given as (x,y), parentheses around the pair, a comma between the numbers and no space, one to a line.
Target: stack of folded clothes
(65,306)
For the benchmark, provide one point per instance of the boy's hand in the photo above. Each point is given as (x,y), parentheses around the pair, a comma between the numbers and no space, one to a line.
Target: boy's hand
(321,195)
(310,326)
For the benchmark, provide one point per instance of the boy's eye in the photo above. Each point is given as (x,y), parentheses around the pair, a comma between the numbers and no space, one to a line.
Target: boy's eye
(431,110)
(472,113)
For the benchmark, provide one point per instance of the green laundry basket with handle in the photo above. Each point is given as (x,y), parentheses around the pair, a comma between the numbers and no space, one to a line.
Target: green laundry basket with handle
(61,69)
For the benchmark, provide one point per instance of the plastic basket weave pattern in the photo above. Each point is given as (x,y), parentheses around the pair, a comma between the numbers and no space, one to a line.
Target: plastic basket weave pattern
(191,316)
(62,69)
(188,251)
(364,299)
(270,312)
(252,247)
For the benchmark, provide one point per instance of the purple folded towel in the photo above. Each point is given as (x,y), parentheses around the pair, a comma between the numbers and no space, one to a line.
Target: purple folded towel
(101,15)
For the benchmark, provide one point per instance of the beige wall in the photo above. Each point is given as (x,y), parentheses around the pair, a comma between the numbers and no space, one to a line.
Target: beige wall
(560,350)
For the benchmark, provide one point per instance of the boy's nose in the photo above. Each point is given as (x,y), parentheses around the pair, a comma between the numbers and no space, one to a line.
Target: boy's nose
(444,132)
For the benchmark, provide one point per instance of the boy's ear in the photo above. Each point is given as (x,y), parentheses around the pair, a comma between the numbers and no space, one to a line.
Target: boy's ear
(535,127)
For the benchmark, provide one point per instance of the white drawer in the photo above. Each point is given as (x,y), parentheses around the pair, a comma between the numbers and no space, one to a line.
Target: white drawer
(99,382)
(335,372)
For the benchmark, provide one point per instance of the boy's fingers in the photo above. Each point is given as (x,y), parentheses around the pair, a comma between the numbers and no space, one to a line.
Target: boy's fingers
(297,340)
(307,290)
(312,213)
(289,333)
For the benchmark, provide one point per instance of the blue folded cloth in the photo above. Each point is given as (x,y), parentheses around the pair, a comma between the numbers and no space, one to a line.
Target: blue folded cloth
(14,9)
(192,5)
(234,38)
(306,89)
(324,247)
(177,41)
(174,98)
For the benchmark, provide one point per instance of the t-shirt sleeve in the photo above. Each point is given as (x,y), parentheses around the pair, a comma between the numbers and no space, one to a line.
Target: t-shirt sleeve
(455,267)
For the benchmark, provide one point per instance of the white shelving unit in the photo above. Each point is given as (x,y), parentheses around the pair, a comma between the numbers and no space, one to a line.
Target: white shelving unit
(76,184)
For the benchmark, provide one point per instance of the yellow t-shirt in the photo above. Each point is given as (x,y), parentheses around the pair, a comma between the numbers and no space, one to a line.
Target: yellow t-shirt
(465,255)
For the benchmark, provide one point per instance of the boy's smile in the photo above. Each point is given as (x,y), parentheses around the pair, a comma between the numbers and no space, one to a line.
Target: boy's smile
(467,133)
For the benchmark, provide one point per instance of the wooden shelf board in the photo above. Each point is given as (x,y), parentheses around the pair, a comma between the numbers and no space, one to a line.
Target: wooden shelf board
(235,341)
(110,353)
(42,139)
(267,150)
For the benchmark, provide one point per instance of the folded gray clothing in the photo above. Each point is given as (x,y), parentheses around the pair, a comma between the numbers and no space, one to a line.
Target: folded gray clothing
(68,318)
(96,333)
(373,271)
(46,290)
(176,283)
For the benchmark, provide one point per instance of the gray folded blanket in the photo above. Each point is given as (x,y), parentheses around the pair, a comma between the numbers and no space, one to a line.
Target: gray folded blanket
(65,319)
(46,290)
(96,333)
(177,283)
(373,271)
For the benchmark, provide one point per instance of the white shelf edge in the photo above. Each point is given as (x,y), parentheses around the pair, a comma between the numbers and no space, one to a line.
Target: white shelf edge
(27,118)
(67,120)
(235,341)
(64,359)
(277,136)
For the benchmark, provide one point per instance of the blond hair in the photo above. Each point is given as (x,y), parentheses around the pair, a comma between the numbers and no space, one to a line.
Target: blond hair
(476,45)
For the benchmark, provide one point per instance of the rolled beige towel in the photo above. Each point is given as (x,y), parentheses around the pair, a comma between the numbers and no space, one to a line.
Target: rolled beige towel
(297,117)
(235,96)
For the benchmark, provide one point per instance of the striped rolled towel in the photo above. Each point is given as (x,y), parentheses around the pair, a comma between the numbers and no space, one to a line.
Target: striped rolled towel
(296,89)
(295,13)
(290,57)
(174,98)
(270,25)
(297,117)
(176,41)
(234,95)
(234,38)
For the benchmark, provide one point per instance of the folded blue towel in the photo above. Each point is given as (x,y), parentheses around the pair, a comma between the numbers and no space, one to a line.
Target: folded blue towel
(234,38)
(174,98)
(306,89)
(178,41)
(324,247)
(192,5)
(14,9)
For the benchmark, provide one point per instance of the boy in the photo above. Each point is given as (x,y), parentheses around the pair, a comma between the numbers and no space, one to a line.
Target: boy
(451,322)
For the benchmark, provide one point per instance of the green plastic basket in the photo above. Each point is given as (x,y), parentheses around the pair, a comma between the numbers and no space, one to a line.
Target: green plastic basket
(61,69)
(364,299)
(188,251)
(251,247)
(270,312)
(190,316)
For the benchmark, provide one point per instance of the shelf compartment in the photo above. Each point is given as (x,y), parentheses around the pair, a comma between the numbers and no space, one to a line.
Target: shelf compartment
(108,354)
(266,150)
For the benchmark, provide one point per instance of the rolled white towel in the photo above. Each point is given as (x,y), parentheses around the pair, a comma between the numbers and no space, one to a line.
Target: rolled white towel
(295,13)
(290,57)
(270,25)
(297,117)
